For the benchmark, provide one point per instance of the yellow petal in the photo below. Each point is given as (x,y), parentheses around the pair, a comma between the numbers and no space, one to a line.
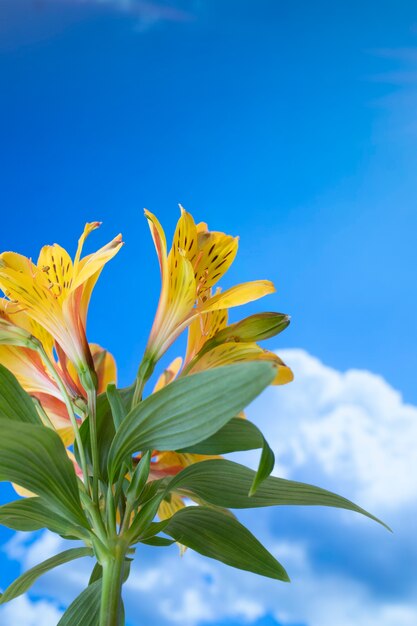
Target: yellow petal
(93,263)
(185,237)
(21,491)
(217,252)
(231,352)
(168,508)
(104,365)
(240,294)
(56,265)
(175,304)
(33,293)
(88,228)
(159,240)
(17,262)
(169,374)
(203,328)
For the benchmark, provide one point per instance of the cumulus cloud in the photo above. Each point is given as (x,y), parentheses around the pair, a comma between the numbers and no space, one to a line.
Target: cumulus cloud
(348,431)
(26,613)
(352,427)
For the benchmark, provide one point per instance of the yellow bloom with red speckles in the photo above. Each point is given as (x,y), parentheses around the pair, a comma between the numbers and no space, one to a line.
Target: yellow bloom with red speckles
(198,259)
(55,293)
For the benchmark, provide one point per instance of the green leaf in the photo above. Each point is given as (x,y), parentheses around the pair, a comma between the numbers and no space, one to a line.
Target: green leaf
(189,410)
(85,610)
(116,403)
(139,478)
(225,483)
(31,514)
(105,427)
(96,574)
(105,433)
(35,458)
(160,542)
(15,403)
(238,435)
(223,538)
(26,580)
(144,518)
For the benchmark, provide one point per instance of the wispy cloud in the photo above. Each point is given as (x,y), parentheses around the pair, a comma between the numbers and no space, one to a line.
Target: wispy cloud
(28,21)
(147,11)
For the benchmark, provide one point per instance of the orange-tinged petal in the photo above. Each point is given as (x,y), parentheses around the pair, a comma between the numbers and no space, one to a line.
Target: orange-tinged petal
(104,365)
(28,368)
(159,240)
(169,374)
(238,295)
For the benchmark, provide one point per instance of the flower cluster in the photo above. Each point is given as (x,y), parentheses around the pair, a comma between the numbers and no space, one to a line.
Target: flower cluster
(43,315)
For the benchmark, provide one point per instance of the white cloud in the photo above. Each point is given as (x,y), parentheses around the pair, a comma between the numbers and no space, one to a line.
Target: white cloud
(351,427)
(23,612)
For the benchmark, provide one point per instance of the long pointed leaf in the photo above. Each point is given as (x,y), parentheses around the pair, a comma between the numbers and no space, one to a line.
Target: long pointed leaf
(15,403)
(26,580)
(189,410)
(238,435)
(31,514)
(223,538)
(85,610)
(35,458)
(225,483)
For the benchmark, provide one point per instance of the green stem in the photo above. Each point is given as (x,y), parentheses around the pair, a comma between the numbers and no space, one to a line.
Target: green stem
(91,396)
(144,373)
(51,368)
(111,591)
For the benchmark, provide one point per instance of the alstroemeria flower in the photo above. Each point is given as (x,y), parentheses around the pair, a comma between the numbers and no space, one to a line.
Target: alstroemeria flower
(55,292)
(198,259)
(205,328)
(229,352)
(21,359)
(27,365)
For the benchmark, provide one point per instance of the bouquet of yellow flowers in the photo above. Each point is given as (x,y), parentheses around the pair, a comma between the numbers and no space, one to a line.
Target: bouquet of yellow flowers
(109,468)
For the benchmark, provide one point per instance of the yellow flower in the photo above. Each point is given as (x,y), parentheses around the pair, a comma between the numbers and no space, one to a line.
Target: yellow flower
(55,293)
(198,259)
(19,356)
(204,328)
(28,367)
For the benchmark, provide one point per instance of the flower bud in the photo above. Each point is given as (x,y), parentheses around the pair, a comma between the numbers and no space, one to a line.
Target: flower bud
(12,335)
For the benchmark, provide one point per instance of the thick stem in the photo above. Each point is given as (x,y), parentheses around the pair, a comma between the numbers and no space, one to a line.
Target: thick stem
(111,591)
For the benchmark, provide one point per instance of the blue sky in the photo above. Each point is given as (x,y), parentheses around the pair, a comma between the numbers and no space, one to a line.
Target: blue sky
(292,125)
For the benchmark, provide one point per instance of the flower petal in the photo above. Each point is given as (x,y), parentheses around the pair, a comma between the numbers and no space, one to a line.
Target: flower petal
(232,352)
(169,374)
(92,264)
(240,294)
(56,264)
(217,252)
